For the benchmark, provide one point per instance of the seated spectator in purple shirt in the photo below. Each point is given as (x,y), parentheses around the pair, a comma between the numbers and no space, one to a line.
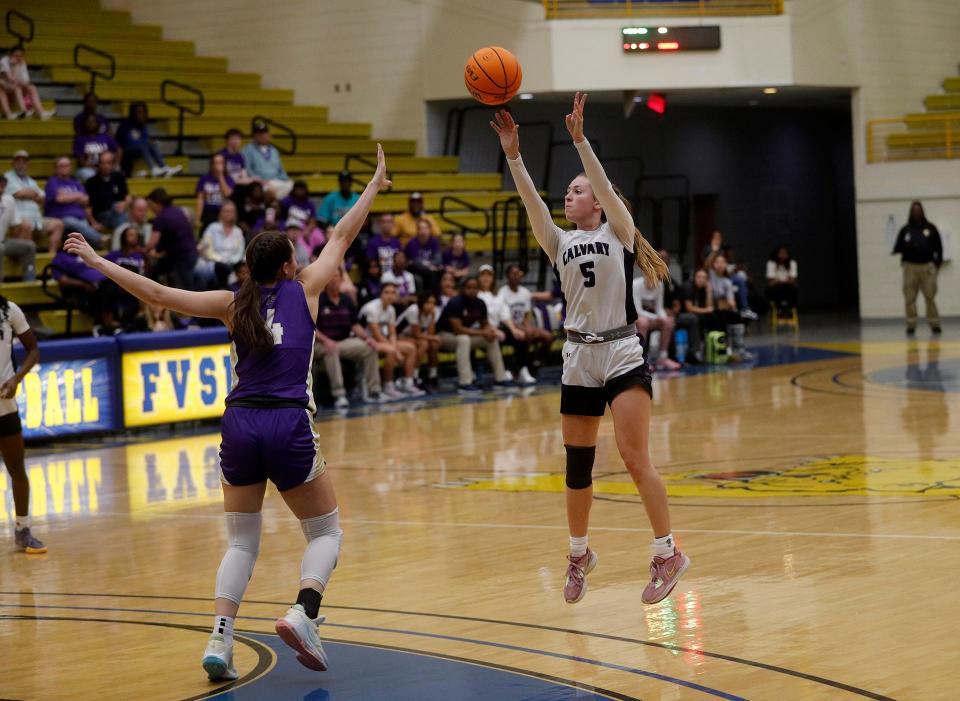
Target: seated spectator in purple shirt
(297,205)
(133,135)
(236,164)
(88,146)
(456,260)
(87,289)
(67,200)
(385,244)
(109,197)
(340,335)
(129,256)
(212,190)
(423,253)
(172,247)
(370,284)
(90,104)
(241,271)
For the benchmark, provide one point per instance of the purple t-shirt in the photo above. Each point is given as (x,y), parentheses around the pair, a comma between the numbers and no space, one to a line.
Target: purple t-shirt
(88,147)
(459,262)
(283,372)
(58,210)
(383,249)
(132,260)
(233,161)
(423,253)
(176,233)
(297,210)
(69,265)
(213,195)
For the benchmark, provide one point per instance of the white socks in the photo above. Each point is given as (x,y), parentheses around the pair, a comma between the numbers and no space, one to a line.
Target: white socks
(23,522)
(578,546)
(432,372)
(663,546)
(224,626)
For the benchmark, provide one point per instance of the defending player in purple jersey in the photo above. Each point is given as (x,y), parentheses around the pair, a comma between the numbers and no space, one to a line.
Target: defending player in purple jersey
(268,430)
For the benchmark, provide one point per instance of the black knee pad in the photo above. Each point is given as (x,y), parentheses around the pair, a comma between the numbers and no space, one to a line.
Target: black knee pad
(580,466)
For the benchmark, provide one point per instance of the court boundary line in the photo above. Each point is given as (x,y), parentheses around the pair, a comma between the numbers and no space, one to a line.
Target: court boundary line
(535,626)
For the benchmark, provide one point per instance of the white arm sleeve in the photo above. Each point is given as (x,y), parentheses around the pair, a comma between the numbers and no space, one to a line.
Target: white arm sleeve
(621,221)
(546,232)
(18,321)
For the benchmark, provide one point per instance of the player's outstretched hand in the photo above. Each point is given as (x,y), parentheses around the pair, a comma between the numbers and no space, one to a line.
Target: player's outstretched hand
(509,133)
(380,176)
(78,245)
(574,120)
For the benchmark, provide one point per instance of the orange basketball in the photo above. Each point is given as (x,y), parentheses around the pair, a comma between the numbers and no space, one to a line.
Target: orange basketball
(492,75)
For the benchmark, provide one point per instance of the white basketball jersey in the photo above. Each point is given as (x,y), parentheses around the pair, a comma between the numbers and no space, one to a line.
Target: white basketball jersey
(596,279)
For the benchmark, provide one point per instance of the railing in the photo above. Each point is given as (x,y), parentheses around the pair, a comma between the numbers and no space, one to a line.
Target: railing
(370,163)
(581,9)
(13,31)
(453,131)
(507,215)
(450,217)
(287,131)
(94,70)
(182,107)
(928,136)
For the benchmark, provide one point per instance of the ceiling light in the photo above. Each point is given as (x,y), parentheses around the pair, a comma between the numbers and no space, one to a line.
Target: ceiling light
(769,91)
(525,96)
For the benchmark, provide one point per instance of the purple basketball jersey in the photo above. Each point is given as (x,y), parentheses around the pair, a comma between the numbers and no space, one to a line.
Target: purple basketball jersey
(282,376)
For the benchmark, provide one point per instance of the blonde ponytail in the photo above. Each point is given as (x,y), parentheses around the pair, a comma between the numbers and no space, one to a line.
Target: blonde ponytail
(648,260)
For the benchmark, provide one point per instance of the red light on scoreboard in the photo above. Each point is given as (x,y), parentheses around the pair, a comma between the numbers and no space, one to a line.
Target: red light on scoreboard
(668,46)
(657,103)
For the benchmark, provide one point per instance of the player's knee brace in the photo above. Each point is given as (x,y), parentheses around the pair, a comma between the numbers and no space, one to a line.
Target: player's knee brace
(323,536)
(243,546)
(580,466)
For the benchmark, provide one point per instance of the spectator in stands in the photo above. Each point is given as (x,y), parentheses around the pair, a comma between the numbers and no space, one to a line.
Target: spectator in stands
(338,202)
(137,217)
(85,288)
(522,333)
(315,236)
(736,274)
(233,157)
(297,205)
(423,252)
(294,231)
(263,162)
(455,259)
(221,247)
(697,297)
(463,327)
(252,213)
(89,145)
(384,244)
(419,323)
(380,319)
(67,200)
(241,271)
(28,197)
(724,293)
(673,305)
(172,247)
(24,250)
(404,281)
(133,135)
(652,316)
(129,255)
(921,255)
(782,281)
(496,311)
(17,90)
(370,282)
(340,335)
(90,104)
(109,197)
(159,318)
(213,189)
(408,221)
(448,289)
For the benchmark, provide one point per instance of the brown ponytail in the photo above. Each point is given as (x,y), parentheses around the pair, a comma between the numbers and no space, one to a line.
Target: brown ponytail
(648,260)
(265,256)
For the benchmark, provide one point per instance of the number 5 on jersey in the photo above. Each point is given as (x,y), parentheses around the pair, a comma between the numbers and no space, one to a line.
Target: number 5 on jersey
(589,277)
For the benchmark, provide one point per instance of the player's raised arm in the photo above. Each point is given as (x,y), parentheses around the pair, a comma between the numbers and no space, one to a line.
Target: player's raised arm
(316,275)
(617,213)
(211,305)
(541,221)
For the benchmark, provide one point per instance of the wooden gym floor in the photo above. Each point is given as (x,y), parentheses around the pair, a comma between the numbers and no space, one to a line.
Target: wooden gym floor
(817,495)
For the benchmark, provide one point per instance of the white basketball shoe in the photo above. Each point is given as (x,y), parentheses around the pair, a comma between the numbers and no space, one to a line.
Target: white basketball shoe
(218,660)
(301,634)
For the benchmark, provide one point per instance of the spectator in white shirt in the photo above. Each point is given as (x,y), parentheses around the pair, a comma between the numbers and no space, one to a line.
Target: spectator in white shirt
(522,334)
(419,323)
(23,250)
(15,86)
(651,316)
(782,280)
(139,211)
(403,279)
(380,319)
(29,196)
(221,247)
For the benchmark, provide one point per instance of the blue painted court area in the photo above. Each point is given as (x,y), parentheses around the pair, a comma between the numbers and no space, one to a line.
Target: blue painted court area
(930,377)
(360,672)
(767,356)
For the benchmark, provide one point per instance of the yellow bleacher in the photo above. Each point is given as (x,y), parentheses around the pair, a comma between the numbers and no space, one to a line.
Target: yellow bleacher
(931,134)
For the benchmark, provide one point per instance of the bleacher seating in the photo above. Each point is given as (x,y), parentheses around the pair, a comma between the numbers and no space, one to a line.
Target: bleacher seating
(931,134)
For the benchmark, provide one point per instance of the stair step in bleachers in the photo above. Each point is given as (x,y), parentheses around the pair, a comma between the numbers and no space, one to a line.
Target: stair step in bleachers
(139,77)
(88,33)
(26,294)
(926,121)
(396,164)
(322,146)
(241,113)
(952,84)
(397,202)
(185,62)
(52,146)
(11,266)
(56,319)
(260,96)
(203,127)
(113,42)
(950,101)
